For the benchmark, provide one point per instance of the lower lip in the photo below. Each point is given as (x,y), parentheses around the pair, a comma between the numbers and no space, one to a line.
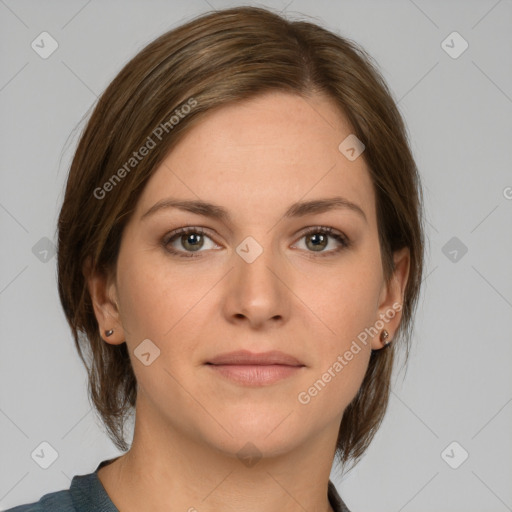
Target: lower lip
(256,375)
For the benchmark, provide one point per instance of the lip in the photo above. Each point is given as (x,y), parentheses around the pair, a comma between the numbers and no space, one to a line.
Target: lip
(251,369)
(244,357)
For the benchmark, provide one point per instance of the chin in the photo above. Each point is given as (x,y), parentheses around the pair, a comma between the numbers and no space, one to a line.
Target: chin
(269,436)
(251,448)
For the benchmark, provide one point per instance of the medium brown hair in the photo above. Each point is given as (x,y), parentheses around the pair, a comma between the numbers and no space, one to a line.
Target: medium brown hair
(217,59)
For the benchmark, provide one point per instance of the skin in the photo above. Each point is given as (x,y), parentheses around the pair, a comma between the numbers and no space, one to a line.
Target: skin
(255,159)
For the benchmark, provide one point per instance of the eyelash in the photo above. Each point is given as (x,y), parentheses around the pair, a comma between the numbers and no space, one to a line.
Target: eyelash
(324,230)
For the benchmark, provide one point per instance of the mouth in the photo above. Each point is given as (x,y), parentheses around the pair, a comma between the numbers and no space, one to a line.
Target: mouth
(251,369)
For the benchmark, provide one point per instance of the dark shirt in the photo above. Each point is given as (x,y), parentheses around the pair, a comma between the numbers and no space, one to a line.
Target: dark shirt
(87,494)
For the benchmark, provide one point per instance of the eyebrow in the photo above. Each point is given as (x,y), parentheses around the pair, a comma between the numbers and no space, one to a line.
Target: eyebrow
(298,209)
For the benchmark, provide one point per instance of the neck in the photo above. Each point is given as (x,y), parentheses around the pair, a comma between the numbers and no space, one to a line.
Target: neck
(169,469)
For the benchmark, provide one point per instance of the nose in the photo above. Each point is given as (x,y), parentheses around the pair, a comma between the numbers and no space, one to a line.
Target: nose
(256,291)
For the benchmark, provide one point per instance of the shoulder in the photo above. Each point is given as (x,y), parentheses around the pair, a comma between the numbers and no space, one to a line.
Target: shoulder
(59,501)
(335,500)
(86,494)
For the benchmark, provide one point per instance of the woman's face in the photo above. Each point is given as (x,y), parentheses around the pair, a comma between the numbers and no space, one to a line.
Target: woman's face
(254,280)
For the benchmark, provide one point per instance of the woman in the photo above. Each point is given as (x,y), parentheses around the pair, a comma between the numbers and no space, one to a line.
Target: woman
(240,256)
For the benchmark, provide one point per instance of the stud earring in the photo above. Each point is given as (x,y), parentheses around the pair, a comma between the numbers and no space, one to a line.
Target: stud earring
(109,333)
(384,335)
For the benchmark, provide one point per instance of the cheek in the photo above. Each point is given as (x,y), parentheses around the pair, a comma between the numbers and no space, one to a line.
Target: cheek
(347,305)
(164,303)
(334,384)
(150,296)
(155,307)
(347,301)
(343,352)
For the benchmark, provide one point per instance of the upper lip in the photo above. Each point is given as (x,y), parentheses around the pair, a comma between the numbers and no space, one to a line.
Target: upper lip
(244,357)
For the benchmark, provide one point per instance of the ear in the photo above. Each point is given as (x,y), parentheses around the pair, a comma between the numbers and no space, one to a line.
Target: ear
(392,296)
(103,292)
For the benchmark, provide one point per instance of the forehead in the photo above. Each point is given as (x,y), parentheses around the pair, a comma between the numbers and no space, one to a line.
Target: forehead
(258,156)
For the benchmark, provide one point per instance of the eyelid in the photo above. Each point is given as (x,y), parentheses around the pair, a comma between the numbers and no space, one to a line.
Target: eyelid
(313,229)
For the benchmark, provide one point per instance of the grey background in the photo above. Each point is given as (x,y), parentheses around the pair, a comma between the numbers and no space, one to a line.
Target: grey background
(458,386)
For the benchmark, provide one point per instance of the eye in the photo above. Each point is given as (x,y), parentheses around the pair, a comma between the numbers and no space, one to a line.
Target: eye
(190,238)
(317,239)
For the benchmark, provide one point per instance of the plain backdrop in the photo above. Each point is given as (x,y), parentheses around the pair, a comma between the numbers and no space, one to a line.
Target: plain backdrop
(445,444)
